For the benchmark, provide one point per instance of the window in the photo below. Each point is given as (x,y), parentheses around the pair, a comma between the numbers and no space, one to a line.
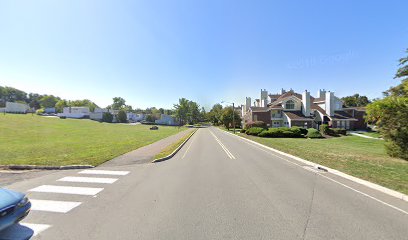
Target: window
(290,104)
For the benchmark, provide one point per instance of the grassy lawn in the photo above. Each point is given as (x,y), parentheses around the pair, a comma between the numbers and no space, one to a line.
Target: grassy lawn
(168,150)
(359,157)
(31,139)
(371,134)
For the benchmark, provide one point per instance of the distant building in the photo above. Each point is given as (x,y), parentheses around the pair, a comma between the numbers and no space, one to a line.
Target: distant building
(75,112)
(135,117)
(13,107)
(97,114)
(288,109)
(166,120)
(49,110)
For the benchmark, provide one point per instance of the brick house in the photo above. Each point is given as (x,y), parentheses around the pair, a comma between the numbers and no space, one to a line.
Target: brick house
(288,109)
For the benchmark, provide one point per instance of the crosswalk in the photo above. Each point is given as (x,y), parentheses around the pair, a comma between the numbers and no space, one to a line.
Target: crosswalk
(89,176)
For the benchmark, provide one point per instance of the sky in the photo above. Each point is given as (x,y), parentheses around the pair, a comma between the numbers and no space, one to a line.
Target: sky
(153,52)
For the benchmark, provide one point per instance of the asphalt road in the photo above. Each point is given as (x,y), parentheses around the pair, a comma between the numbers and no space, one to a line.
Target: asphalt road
(217,187)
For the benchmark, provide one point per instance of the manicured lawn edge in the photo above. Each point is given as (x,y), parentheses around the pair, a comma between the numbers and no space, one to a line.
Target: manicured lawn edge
(36,167)
(174,148)
(371,185)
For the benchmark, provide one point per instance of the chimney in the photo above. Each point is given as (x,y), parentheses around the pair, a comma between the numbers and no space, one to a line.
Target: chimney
(329,103)
(282,91)
(306,103)
(264,98)
(321,93)
(247,103)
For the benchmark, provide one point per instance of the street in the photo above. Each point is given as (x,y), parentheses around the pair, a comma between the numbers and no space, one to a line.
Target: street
(217,186)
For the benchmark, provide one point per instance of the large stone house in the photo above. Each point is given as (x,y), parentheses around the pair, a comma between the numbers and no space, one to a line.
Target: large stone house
(288,109)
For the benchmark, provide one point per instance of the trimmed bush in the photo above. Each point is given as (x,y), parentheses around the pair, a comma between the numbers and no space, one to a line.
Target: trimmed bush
(242,131)
(254,131)
(260,124)
(107,117)
(40,111)
(338,131)
(303,131)
(281,132)
(313,133)
(122,117)
(324,129)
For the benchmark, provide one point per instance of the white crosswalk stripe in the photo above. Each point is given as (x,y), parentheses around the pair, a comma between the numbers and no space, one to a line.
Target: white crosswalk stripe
(88,180)
(53,206)
(104,172)
(67,190)
(23,231)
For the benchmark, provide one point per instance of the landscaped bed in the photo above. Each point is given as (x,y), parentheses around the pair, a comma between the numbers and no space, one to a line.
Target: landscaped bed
(35,140)
(359,157)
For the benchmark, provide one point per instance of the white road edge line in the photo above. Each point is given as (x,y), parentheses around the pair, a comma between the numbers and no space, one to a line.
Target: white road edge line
(248,141)
(191,143)
(53,206)
(229,154)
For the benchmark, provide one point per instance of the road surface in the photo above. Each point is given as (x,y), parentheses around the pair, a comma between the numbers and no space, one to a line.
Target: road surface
(218,186)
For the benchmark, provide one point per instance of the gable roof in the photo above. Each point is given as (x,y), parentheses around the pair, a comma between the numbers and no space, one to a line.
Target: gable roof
(342,115)
(297,115)
(260,109)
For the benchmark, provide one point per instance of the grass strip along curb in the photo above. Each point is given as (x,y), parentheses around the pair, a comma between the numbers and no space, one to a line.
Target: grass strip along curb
(175,151)
(366,183)
(36,167)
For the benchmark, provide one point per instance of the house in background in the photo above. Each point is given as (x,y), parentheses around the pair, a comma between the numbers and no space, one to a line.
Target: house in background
(288,109)
(166,120)
(13,107)
(97,114)
(50,110)
(75,112)
(134,117)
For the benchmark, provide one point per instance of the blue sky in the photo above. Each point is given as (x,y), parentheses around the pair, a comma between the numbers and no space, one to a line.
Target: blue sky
(153,52)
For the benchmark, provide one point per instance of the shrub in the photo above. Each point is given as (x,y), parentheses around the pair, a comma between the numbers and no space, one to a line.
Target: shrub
(255,131)
(107,117)
(39,111)
(281,132)
(260,124)
(303,131)
(242,131)
(122,117)
(338,131)
(324,129)
(313,133)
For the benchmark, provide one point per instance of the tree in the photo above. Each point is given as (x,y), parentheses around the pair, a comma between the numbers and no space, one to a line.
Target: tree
(118,103)
(193,112)
(390,114)
(48,101)
(34,104)
(107,117)
(227,118)
(59,106)
(83,103)
(355,101)
(215,114)
(203,115)
(122,117)
(9,94)
(181,110)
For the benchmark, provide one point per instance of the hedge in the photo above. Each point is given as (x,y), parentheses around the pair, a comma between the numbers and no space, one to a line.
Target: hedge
(260,124)
(255,131)
(313,133)
(282,132)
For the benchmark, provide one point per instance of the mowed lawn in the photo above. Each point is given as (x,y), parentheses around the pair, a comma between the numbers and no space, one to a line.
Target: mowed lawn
(357,156)
(31,139)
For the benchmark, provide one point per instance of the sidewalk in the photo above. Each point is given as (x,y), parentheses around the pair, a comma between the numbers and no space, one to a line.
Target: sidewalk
(363,136)
(145,154)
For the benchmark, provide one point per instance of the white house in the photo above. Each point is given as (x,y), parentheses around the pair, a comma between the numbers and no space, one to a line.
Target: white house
(135,117)
(166,120)
(75,112)
(13,107)
(97,114)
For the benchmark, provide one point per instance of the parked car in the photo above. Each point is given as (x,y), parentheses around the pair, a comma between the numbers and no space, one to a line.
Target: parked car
(154,128)
(14,207)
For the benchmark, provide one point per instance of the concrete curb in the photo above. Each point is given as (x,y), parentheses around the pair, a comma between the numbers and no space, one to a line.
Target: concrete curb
(35,167)
(175,151)
(368,184)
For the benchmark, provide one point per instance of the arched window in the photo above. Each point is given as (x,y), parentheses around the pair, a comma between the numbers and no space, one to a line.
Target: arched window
(290,104)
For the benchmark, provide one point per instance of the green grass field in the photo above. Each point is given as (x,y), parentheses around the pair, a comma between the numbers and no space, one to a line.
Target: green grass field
(31,139)
(357,156)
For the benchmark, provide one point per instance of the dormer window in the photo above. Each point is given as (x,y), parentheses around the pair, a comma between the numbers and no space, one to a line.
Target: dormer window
(290,104)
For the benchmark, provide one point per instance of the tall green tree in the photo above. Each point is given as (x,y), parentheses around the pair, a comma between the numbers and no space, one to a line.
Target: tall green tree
(193,112)
(356,101)
(48,101)
(215,114)
(59,106)
(228,119)
(390,114)
(118,103)
(181,110)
